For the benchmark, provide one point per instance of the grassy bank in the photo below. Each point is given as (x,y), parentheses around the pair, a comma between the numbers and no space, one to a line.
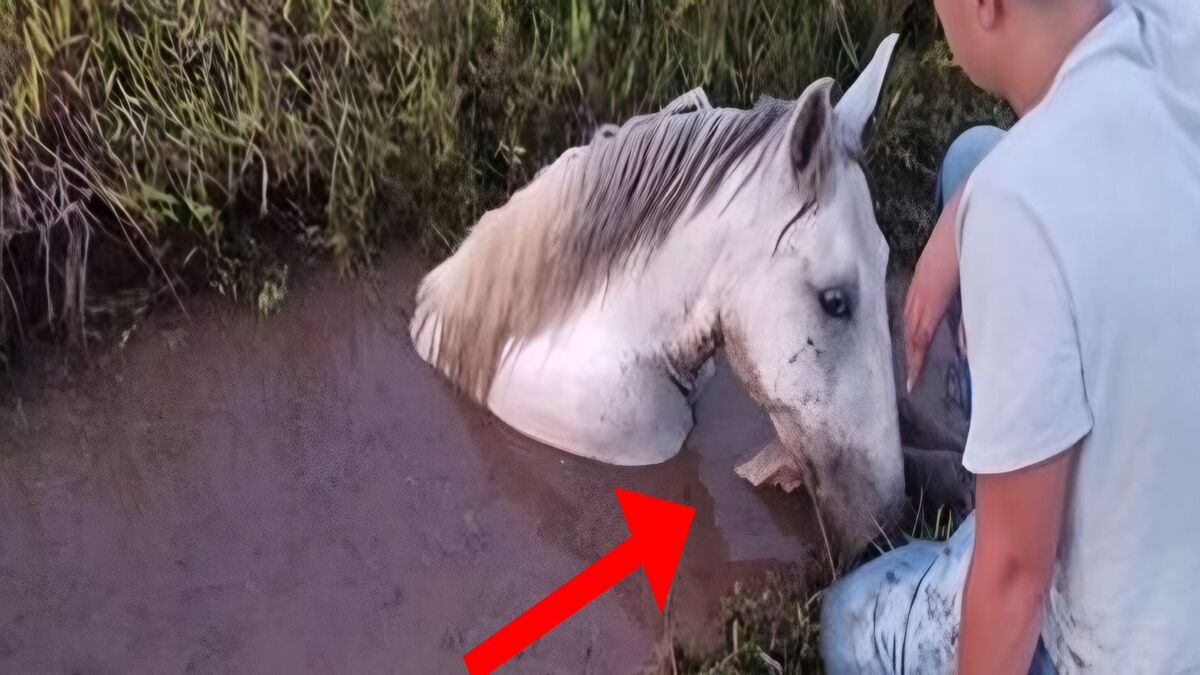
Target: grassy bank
(773,624)
(151,148)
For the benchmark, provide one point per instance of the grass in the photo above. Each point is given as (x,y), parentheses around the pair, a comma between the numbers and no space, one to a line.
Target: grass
(152,148)
(773,624)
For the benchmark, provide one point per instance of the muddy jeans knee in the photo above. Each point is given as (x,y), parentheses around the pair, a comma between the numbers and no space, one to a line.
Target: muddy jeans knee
(900,612)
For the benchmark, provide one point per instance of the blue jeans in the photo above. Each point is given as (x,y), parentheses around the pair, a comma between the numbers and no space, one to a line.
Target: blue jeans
(965,153)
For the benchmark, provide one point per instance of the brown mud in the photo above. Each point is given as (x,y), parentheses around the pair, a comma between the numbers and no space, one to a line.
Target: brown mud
(302,493)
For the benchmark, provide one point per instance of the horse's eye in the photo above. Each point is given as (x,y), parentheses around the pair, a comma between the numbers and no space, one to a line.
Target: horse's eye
(835,303)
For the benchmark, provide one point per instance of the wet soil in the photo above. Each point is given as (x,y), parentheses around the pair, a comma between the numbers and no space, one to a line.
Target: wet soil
(228,493)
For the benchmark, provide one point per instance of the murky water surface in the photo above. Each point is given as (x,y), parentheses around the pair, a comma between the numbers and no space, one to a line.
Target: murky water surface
(303,493)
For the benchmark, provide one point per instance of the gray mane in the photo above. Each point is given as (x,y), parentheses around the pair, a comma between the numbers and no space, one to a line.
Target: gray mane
(638,181)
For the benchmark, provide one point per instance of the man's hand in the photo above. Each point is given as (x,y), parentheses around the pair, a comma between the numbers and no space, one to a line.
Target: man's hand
(932,288)
(1018,522)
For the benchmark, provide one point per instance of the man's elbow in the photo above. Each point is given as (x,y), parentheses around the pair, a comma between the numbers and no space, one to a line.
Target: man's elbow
(1019,579)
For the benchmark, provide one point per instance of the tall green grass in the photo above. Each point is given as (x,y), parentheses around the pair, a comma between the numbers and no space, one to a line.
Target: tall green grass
(150,148)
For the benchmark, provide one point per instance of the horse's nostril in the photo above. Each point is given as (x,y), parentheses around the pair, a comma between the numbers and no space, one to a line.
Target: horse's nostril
(835,303)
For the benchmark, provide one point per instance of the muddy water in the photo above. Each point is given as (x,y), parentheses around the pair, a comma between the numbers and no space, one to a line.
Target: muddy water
(232,494)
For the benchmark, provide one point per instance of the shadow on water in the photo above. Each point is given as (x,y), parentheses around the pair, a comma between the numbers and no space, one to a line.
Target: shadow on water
(304,493)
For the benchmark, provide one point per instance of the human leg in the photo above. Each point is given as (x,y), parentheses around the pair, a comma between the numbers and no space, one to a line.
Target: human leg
(965,154)
(900,612)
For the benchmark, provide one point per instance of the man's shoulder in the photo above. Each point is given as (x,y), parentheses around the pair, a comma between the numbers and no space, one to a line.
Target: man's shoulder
(1083,129)
(1062,151)
(1014,172)
(1019,184)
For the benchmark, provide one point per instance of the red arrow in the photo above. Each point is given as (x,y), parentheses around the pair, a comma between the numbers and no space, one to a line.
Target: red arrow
(658,530)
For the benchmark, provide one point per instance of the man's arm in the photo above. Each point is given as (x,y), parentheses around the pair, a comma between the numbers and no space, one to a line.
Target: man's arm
(933,285)
(1018,521)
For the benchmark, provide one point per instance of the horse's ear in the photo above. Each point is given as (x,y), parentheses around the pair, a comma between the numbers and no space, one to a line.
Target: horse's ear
(810,142)
(853,112)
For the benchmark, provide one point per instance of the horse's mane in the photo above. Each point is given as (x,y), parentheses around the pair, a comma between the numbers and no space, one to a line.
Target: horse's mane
(599,209)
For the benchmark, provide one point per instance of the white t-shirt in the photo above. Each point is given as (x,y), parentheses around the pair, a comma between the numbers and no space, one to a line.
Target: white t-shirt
(1079,244)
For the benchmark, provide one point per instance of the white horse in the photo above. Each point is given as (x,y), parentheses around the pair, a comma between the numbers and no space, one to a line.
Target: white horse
(585,311)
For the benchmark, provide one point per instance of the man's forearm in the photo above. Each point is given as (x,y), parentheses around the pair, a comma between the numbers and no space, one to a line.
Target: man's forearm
(1017,528)
(1002,616)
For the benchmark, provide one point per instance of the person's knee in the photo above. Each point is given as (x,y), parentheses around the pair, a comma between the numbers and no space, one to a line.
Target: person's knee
(845,625)
(885,605)
(869,607)
(965,153)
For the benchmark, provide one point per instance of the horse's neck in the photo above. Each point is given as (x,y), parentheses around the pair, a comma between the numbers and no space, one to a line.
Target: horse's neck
(669,307)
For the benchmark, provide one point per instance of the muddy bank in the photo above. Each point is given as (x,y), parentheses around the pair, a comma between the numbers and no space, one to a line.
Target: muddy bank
(303,493)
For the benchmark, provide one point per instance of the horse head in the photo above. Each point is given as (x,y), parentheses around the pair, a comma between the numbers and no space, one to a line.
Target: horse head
(595,296)
(805,320)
